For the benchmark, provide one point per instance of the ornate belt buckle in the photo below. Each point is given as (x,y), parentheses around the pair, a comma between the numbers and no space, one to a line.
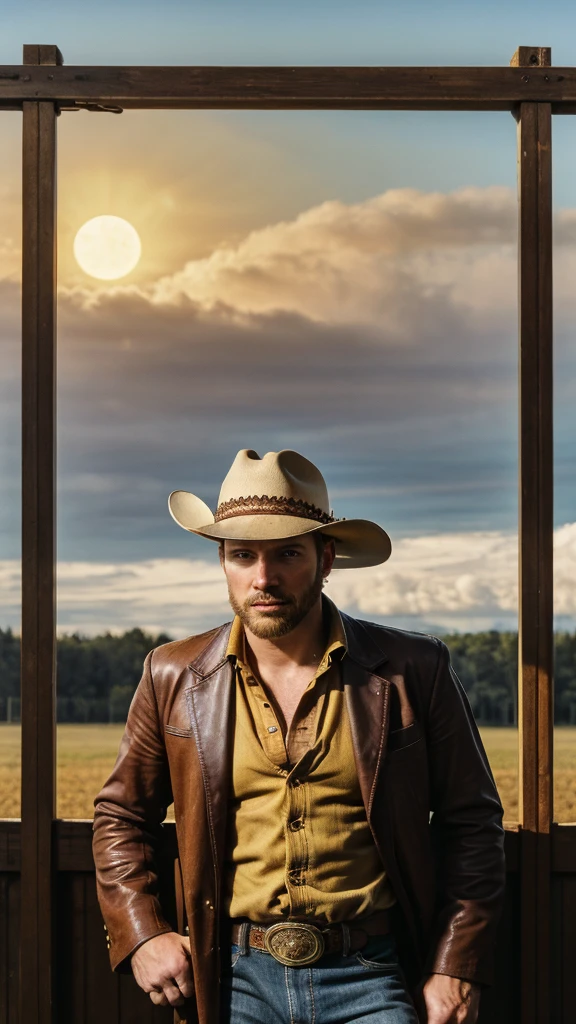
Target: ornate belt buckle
(293,944)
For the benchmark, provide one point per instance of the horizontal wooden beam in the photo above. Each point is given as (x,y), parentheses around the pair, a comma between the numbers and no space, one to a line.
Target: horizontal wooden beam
(290,88)
(73,845)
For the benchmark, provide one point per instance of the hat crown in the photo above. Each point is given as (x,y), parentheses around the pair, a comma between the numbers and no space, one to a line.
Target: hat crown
(285,474)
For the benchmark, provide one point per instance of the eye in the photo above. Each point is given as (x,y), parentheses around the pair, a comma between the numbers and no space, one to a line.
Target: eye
(241,555)
(291,552)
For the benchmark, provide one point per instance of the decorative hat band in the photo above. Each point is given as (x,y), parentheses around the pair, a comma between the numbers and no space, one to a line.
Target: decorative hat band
(265,506)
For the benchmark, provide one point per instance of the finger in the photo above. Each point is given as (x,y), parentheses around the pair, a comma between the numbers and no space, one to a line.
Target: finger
(173,993)
(185,982)
(158,998)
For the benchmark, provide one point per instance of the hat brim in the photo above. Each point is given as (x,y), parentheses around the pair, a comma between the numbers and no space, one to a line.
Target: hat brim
(359,542)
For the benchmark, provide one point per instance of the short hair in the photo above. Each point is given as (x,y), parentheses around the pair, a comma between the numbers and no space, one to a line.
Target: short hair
(320,540)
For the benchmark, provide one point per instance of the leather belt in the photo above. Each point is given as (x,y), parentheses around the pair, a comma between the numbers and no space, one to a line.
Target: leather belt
(298,943)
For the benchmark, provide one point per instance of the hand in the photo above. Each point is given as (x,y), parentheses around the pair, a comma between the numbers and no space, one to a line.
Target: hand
(448,1000)
(162,967)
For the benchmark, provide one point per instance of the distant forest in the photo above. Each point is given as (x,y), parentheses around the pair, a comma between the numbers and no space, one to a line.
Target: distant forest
(97,675)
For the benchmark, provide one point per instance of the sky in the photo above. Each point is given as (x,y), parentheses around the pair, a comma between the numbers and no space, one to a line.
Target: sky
(340,283)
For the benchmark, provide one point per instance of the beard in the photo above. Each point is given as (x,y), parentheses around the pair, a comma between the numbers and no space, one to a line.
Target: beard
(268,625)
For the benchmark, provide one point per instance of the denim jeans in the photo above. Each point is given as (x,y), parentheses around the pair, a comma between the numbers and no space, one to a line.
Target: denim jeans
(366,987)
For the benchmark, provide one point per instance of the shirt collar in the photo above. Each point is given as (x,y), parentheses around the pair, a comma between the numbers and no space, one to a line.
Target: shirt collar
(335,646)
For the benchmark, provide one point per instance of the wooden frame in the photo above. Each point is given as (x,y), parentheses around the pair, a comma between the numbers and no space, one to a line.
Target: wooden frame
(42,88)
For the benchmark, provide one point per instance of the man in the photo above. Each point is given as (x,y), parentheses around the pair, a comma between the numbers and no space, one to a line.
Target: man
(339,830)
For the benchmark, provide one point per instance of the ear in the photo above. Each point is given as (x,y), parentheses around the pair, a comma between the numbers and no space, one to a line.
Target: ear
(221,553)
(328,558)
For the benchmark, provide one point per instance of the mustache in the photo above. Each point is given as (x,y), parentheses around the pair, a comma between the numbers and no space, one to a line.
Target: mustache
(269,599)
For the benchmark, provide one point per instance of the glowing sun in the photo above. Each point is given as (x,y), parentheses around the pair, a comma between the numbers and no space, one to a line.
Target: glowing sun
(107,247)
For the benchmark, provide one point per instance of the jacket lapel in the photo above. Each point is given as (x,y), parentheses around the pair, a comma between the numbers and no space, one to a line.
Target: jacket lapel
(209,707)
(367,697)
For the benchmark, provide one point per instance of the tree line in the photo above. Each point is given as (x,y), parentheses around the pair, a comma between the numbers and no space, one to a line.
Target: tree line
(97,676)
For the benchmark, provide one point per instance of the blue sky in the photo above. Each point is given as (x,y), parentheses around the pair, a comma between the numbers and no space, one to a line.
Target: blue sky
(303,31)
(365,260)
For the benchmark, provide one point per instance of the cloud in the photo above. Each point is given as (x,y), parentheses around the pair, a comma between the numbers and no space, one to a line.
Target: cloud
(461,581)
(379,338)
(383,261)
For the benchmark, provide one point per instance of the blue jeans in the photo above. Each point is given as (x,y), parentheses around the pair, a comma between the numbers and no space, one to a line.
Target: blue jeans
(366,987)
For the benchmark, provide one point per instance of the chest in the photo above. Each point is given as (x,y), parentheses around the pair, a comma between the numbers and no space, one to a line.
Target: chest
(287,694)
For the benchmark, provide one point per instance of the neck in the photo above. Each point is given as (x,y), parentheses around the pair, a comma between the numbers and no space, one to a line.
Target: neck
(304,645)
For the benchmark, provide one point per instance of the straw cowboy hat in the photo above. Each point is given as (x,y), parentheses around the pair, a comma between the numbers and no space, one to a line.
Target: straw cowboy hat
(281,495)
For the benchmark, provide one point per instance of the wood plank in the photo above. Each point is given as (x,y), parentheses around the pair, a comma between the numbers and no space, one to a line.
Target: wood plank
(535,554)
(38,554)
(102,995)
(564,849)
(9,941)
(4,946)
(499,1004)
(73,846)
(564,949)
(10,844)
(532,56)
(290,88)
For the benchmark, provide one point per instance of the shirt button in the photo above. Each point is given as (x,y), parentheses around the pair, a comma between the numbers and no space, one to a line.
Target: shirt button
(272,728)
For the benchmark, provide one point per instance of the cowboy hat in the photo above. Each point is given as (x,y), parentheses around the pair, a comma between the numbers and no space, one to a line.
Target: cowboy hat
(278,496)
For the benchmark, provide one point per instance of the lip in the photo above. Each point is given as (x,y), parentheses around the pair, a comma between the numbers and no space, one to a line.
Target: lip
(278,604)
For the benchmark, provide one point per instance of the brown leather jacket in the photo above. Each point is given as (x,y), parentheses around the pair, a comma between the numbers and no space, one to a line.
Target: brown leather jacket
(417,751)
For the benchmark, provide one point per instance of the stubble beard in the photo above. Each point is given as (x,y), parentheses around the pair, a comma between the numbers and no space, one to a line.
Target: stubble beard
(269,625)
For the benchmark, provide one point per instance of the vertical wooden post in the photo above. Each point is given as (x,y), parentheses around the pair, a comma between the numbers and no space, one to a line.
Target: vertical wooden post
(38,550)
(536,631)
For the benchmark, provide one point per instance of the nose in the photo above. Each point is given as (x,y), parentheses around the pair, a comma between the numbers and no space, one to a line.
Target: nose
(265,574)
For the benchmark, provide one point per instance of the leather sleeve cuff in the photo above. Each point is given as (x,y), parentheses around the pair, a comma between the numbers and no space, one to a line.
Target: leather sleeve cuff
(127,932)
(467,970)
(120,961)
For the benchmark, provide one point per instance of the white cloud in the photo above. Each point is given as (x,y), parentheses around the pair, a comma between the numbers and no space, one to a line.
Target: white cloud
(365,262)
(457,580)
(394,262)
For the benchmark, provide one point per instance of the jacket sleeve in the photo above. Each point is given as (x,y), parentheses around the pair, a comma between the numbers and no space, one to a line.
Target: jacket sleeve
(467,836)
(128,814)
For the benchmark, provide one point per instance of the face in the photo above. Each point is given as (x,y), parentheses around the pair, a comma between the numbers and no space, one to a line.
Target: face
(272,585)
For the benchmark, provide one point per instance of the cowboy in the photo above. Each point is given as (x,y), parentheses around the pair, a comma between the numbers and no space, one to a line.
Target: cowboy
(339,830)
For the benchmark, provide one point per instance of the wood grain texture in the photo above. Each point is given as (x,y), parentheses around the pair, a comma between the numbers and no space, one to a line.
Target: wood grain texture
(532,56)
(9,947)
(38,555)
(290,88)
(535,554)
(87,992)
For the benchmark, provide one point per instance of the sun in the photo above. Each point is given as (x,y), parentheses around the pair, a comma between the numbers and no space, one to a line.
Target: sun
(107,247)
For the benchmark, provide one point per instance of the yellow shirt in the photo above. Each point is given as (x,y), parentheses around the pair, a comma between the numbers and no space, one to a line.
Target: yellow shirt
(298,840)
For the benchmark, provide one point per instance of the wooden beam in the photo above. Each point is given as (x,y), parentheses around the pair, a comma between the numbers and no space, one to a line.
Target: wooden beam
(291,88)
(38,551)
(532,56)
(536,634)
(73,846)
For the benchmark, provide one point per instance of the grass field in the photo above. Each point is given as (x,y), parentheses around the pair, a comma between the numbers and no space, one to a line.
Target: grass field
(86,754)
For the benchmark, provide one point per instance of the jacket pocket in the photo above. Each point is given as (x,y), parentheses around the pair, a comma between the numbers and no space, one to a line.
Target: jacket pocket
(175,730)
(400,739)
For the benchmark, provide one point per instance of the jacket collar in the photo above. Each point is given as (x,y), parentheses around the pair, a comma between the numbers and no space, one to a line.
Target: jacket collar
(362,648)
(213,656)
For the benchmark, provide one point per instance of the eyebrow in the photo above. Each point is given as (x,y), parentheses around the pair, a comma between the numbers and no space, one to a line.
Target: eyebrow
(246,546)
